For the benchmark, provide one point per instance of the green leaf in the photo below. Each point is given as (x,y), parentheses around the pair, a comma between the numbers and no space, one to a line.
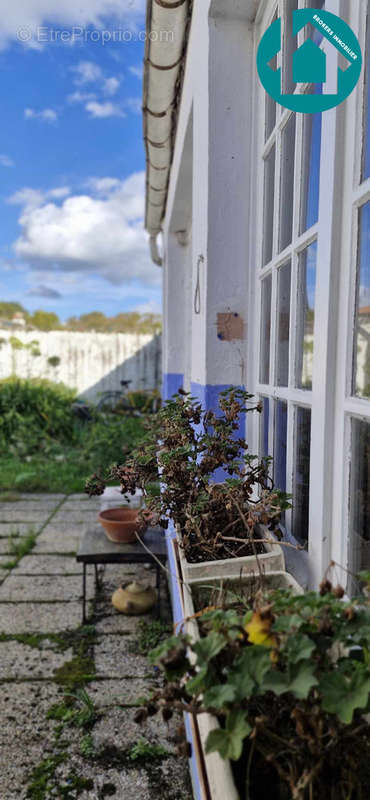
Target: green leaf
(287,623)
(298,648)
(250,670)
(219,696)
(299,682)
(209,647)
(342,694)
(229,742)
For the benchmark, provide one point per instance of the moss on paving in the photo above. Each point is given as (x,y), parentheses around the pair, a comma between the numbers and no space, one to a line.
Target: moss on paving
(44,780)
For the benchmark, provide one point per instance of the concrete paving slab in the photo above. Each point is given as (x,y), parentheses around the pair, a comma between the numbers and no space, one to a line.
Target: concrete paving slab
(39,617)
(113,659)
(80,517)
(68,545)
(37,564)
(47,588)
(19,661)
(18,528)
(16,515)
(25,733)
(120,691)
(111,621)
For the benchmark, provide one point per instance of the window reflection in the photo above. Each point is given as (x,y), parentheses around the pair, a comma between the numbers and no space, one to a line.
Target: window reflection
(306,316)
(287,183)
(311,171)
(264,427)
(280,445)
(366,147)
(301,482)
(269,194)
(359,555)
(362,330)
(265,330)
(284,274)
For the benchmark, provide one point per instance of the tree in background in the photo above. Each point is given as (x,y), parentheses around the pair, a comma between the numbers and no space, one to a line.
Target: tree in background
(45,321)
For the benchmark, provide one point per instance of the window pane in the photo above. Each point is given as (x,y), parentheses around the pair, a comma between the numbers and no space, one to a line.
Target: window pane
(301,476)
(265,330)
(269,193)
(281,417)
(270,105)
(290,46)
(282,355)
(306,316)
(366,147)
(359,554)
(264,427)
(362,329)
(310,171)
(287,183)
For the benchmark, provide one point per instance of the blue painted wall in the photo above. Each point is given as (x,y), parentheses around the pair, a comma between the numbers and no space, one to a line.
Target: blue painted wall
(172,382)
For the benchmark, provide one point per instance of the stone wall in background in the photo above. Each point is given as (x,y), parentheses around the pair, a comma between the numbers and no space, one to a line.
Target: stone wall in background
(88,362)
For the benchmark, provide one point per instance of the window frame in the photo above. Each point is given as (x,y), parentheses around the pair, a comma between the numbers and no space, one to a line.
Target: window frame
(327,414)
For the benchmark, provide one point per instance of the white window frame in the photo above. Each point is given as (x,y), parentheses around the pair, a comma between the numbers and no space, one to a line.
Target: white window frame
(329,470)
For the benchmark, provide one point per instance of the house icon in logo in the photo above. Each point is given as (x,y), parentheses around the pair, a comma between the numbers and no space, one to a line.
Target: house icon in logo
(309,63)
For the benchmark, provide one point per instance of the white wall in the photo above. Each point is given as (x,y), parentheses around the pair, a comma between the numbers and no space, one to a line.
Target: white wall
(89,362)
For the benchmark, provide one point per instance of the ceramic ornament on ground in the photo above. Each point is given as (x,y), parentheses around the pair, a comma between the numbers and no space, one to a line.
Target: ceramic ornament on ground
(122,524)
(135,598)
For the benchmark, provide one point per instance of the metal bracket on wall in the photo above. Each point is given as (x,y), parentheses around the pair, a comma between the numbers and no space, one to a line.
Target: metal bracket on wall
(197,298)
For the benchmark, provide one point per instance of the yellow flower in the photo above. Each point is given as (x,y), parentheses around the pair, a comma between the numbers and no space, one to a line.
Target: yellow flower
(259,630)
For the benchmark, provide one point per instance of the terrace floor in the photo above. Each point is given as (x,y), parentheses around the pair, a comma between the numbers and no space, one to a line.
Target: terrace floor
(45,653)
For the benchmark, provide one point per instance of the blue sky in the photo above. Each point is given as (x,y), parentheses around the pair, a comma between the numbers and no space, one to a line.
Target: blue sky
(72,158)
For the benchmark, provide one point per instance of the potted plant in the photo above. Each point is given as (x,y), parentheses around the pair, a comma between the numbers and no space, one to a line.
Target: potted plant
(222,525)
(280,683)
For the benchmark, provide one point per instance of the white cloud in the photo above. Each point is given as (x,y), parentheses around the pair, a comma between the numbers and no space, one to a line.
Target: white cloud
(86,72)
(34,198)
(111,86)
(137,71)
(104,110)
(81,97)
(100,233)
(134,104)
(20,20)
(47,115)
(5,161)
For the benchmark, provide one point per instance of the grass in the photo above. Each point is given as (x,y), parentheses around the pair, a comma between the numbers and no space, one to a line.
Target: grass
(142,750)
(59,468)
(149,635)
(19,546)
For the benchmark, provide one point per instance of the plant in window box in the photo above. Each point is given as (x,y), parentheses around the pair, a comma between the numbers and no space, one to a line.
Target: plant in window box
(222,526)
(282,682)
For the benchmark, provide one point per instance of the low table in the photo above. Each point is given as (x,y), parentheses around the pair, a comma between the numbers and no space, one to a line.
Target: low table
(97,549)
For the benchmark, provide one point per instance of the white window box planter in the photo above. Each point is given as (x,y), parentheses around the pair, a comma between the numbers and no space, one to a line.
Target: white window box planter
(218,772)
(272,560)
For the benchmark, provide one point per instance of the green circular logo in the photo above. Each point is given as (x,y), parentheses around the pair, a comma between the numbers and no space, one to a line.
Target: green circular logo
(309,62)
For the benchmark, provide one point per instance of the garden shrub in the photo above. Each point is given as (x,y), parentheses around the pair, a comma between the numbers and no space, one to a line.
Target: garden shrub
(32,411)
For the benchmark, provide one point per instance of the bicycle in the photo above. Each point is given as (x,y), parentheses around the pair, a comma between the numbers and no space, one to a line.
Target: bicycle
(116,401)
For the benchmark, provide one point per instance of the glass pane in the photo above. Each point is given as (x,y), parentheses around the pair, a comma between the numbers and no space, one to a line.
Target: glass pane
(270,105)
(306,316)
(310,171)
(290,46)
(366,147)
(281,418)
(264,427)
(301,476)
(265,330)
(287,183)
(269,193)
(359,543)
(362,330)
(282,355)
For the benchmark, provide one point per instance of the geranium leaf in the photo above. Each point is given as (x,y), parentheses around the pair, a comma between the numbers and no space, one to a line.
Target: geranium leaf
(342,694)
(299,682)
(209,647)
(219,696)
(229,742)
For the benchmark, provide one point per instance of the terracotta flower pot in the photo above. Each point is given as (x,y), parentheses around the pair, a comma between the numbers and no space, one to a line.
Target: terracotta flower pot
(122,524)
